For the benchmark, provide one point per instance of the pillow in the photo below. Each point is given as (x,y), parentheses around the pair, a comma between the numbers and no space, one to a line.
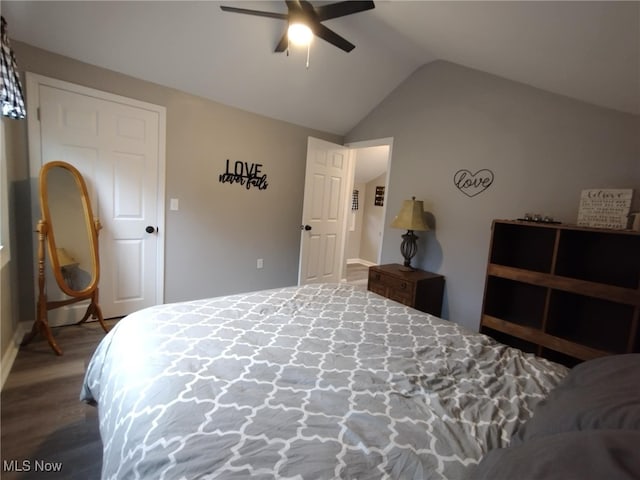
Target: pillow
(578,455)
(603,393)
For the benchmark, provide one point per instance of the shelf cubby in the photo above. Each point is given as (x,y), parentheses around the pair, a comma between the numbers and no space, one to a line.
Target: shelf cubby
(523,246)
(588,255)
(516,302)
(589,321)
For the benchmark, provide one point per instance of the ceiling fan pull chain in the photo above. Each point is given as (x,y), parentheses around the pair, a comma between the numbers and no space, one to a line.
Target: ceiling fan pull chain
(308,50)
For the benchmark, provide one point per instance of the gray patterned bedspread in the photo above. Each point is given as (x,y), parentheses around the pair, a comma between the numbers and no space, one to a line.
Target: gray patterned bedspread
(313,382)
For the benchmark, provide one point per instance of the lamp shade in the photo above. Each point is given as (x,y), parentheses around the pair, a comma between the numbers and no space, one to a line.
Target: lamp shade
(411,216)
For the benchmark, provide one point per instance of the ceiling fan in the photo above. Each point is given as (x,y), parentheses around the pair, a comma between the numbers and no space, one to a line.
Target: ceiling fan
(303,12)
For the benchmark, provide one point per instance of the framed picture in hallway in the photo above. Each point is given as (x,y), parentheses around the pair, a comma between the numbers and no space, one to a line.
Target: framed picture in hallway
(379,198)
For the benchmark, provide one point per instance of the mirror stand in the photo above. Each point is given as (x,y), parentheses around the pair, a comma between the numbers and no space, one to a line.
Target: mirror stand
(41,324)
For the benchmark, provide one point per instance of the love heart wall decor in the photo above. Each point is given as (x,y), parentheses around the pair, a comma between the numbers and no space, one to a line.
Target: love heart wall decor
(245,173)
(472,184)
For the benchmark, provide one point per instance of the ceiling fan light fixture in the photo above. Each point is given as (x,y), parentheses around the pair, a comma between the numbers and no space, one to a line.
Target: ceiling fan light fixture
(311,18)
(299,34)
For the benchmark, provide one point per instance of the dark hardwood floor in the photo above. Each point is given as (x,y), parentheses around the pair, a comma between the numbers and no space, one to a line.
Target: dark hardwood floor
(43,423)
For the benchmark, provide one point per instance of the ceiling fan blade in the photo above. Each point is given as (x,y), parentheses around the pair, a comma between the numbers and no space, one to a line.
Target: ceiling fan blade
(304,6)
(332,37)
(340,9)
(300,11)
(283,43)
(257,13)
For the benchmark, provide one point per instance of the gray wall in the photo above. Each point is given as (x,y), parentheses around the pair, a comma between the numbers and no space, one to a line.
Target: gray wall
(19,268)
(6,292)
(213,241)
(542,148)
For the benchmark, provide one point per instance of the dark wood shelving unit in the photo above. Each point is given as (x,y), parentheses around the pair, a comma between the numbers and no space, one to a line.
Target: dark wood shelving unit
(563,292)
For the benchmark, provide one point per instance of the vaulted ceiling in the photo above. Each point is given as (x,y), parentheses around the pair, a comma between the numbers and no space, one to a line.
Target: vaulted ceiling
(586,50)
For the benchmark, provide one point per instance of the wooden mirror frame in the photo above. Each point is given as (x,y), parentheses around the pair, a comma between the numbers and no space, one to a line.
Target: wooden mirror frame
(89,223)
(46,235)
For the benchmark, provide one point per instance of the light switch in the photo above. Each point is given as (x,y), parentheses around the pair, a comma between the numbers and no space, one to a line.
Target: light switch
(174,204)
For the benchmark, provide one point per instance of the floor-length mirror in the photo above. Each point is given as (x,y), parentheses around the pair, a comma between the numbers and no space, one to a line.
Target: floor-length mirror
(68,239)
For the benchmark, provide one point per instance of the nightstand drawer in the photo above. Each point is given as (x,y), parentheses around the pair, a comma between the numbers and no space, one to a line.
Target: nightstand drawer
(402,297)
(389,281)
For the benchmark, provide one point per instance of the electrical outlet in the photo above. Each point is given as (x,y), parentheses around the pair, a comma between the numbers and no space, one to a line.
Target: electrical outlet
(259,264)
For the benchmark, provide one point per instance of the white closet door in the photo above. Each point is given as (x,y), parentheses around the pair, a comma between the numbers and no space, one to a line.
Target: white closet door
(118,147)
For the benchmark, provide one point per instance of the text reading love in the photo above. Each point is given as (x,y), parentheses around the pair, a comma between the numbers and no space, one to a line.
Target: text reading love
(471,184)
(244,173)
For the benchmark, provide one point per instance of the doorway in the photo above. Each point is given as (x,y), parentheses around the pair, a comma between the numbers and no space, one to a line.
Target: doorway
(329,181)
(367,210)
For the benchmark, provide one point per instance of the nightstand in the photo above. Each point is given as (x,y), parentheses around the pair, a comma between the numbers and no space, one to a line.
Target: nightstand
(418,289)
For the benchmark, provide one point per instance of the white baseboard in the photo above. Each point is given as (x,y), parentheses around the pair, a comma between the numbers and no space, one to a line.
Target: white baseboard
(12,351)
(360,260)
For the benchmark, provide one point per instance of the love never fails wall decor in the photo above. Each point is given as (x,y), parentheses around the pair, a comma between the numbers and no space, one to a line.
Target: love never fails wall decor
(244,173)
(472,184)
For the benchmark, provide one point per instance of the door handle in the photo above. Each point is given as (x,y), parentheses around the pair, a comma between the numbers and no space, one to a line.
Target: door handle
(305,227)
(151,229)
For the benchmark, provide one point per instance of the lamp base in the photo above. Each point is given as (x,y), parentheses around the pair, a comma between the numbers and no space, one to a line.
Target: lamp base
(408,249)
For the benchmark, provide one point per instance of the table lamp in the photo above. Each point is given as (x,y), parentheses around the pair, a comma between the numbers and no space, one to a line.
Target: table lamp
(411,218)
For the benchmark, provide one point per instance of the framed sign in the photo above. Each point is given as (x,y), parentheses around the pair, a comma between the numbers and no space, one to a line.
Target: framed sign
(379,198)
(605,208)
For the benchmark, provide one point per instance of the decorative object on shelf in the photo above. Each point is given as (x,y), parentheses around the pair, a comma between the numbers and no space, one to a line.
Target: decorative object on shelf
(410,218)
(537,218)
(634,221)
(471,184)
(245,173)
(605,208)
(379,198)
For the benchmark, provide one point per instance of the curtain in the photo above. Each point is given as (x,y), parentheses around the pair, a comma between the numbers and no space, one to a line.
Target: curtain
(11,95)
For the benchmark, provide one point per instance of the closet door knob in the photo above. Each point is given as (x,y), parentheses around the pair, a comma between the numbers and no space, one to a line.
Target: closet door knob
(151,229)
(305,227)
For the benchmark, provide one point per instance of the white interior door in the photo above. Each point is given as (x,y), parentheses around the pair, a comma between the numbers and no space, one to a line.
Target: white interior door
(328,179)
(118,146)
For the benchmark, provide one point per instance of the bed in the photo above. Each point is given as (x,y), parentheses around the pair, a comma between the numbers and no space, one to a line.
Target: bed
(314,382)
